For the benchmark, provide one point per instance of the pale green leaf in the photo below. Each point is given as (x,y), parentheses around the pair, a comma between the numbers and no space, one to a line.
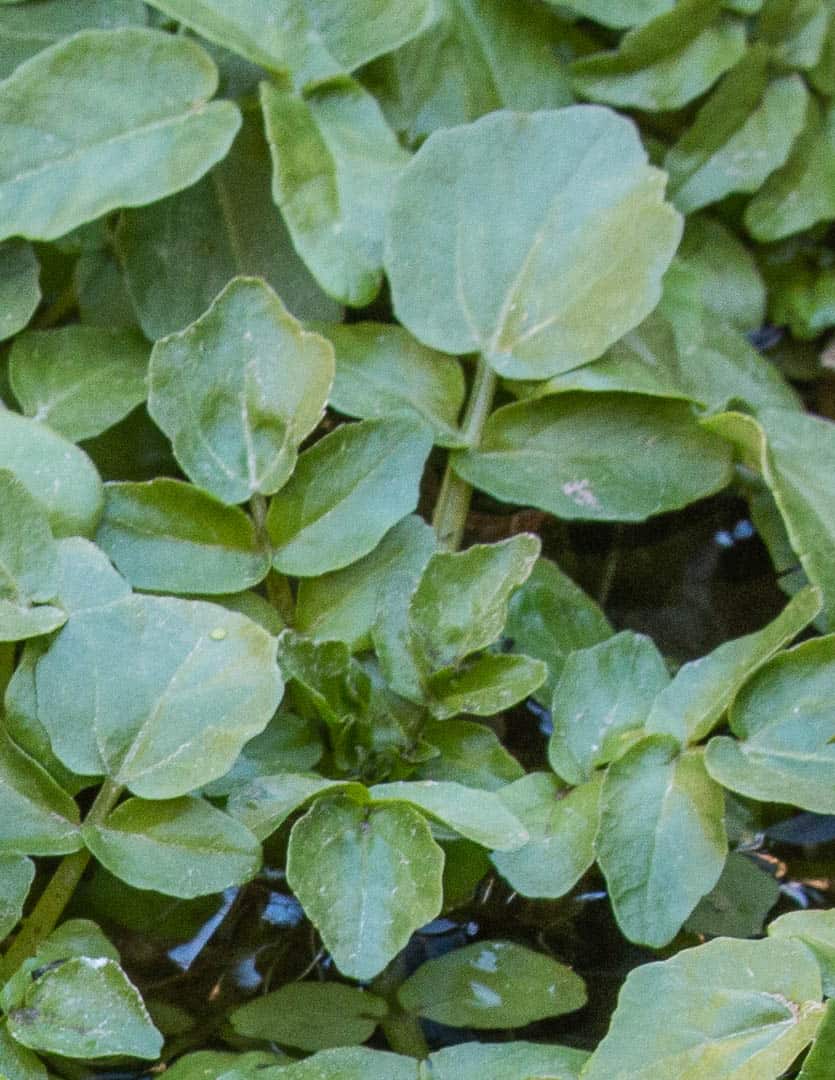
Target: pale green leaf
(661,842)
(266,802)
(168,536)
(20,291)
(79,380)
(604,693)
(335,163)
(103,119)
(507,1061)
(492,984)
(731,285)
(484,685)
(352,1063)
(575,456)
(739,902)
(562,826)
(17,872)
(345,494)
(311,1016)
(238,391)
(88,579)
(37,817)
(470,754)
(16,1062)
(816,929)
(515,237)
(367,877)
(728,1010)
(818,1063)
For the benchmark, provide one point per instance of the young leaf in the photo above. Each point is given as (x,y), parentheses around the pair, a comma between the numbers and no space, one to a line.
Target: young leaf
(367,877)
(37,817)
(575,456)
(168,536)
(661,842)
(726,1009)
(604,693)
(484,685)
(507,1061)
(532,249)
(81,141)
(239,390)
(492,984)
(469,754)
(334,199)
(180,847)
(17,872)
(311,1016)
(347,491)
(80,380)
(20,292)
(816,929)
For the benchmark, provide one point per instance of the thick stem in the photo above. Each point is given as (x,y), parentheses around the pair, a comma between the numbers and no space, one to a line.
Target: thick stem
(57,894)
(401,1029)
(450,517)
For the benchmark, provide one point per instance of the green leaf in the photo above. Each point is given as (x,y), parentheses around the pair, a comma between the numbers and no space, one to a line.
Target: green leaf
(352,1063)
(515,237)
(562,827)
(180,252)
(180,847)
(667,62)
(785,728)
(37,817)
(728,1010)
(816,929)
(694,702)
(617,13)
(661,842)
(16,1061)
(207,683)
(88,579)
(743,132)
(574,456)
(347,491)
(818,1062)
(507,1061)
(795,30)
(311,1016)
(239,390)
(381,370)
(604,693)
(59,476)
(731,285)
(492,984)
(549,617)
(739,902)
(80,380)
(333,198)
(168,536)
(468,753)
(106,118)
(86,1007)
(342,605)
(324,680)
(313,39)
(20,291)
(484,685)
(266,802)
(479,815)
(17,873)
(367,877)
(287,744)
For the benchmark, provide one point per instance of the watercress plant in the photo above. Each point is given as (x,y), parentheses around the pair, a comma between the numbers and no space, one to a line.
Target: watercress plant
(295,296)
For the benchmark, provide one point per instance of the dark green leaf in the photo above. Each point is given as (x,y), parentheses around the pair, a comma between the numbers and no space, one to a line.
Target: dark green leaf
(468,753)
(20,292)
(484,685)
(731,284)
(311,1016)
(17,872)
(16,1061)
(37,817)
(818,1062)
(739,902)
(795,30)
(352,1063)
(266,802)
(507,1061)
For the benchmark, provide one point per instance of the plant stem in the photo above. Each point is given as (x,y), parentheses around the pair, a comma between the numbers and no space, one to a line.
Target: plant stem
(56,895)
(401,1029)
(450,517)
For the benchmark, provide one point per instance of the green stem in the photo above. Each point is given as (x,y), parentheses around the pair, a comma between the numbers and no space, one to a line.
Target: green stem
(276,585)
(450,516)
(57,894)
(401,1029)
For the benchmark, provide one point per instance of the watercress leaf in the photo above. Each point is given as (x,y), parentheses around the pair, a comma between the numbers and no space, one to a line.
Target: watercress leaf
(492,984)
(334,200)
(484,685)
(16,1061)
(507,1061)
(85,1007)
(694,702)
(59,476)
(739,902)
(239,390)
(474,813)
(617,13)
(346,492)
(726,1009)
(266,802)
(730,281)
(667,62)
(168,536)
(514,237)
(17,872)
(795,30)
(253,605)
(25,30)
(574,456)
(37,817)
(82,141)
(367,877)
(661,842)
(562,827)
(179,847)
(785,728)
(311,1016)
(743,132)
(548,617)
(88,579)
(816,929)
(352,1063)
(208,682)
(179,253)
(469,754)
(381,370)
(342,605)
(80,380)
(604,693)
(287,744)
(20,291)
(818,1062)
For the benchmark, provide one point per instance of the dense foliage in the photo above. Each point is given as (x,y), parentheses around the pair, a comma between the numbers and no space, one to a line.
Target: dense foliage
(281,282)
